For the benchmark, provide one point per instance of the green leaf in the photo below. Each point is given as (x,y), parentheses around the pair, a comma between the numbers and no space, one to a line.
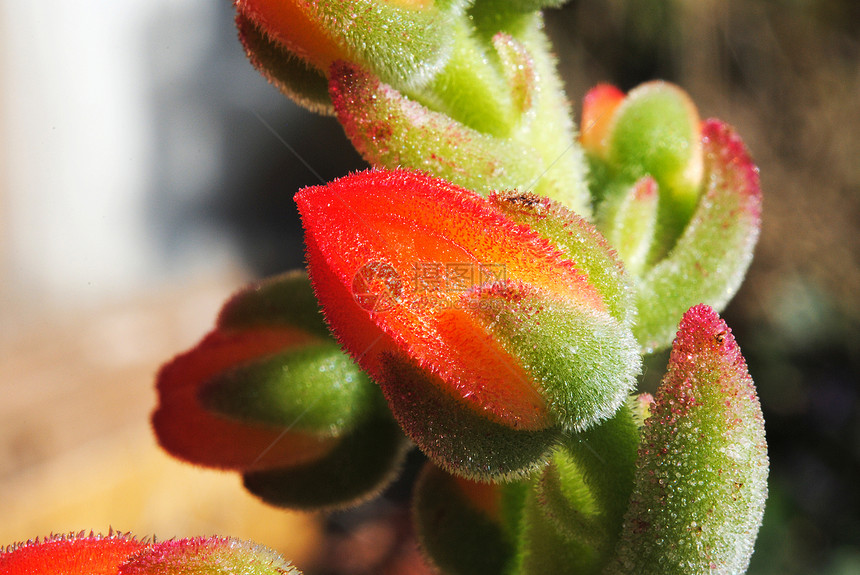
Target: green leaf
(568,502)
(604,456)
(709,261)
(364,462)
(701,471)
(544,549)
(459,524)
(404,46)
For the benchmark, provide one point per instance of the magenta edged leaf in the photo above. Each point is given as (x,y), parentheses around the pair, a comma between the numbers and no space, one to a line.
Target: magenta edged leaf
(391,131)
(701,473)
(710,259)
(380,121)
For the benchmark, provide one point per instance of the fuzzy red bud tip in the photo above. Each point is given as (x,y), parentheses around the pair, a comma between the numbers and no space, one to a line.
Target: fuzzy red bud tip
(598,110)
(411,269)
(120,554)
(418,243)
(71,554)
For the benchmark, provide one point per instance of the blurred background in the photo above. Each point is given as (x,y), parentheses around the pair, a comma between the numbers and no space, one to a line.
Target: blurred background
(147,171)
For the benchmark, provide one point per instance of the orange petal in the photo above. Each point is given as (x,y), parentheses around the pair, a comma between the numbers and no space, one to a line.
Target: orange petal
(598,111)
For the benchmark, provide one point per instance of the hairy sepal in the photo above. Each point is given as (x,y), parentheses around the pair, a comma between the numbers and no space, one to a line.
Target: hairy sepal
(364,461)
(294,77)
(455,436)
(583,360)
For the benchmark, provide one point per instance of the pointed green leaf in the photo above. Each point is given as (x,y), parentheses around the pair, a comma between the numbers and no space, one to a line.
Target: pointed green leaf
(518,68)
(630,222)
(701,471)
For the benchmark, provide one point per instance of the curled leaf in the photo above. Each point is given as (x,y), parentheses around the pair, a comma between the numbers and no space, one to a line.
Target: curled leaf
(710,259)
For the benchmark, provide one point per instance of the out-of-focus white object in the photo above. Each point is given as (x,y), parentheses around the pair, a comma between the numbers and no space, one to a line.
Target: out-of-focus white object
(79,155)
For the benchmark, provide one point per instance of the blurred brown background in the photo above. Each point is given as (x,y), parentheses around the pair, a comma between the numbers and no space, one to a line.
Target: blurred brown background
(140,185)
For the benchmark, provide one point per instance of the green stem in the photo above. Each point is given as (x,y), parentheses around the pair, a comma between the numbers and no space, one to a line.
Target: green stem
(606,455)
(471,88)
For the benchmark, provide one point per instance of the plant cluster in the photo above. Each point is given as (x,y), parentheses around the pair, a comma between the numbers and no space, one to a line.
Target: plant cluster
(488,292)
